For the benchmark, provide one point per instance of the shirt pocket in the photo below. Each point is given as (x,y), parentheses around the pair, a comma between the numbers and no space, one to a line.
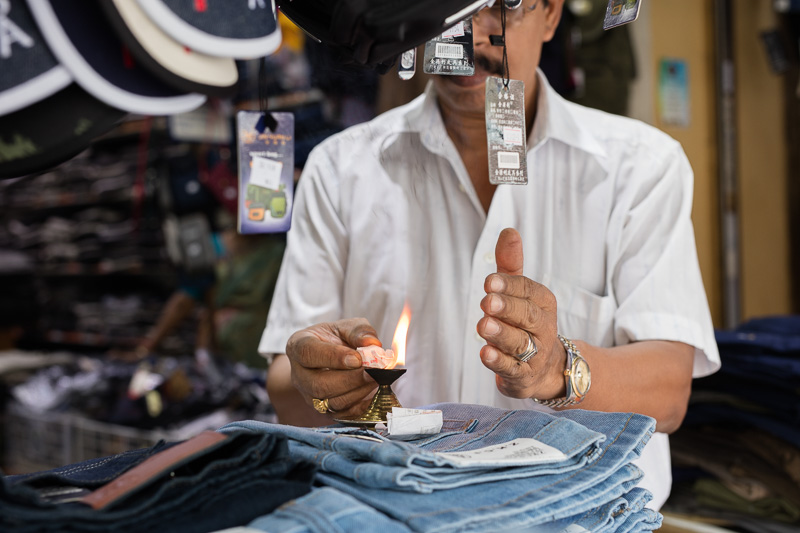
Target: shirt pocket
(582,314)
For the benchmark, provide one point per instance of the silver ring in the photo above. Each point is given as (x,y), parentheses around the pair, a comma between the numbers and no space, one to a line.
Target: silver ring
(529,352)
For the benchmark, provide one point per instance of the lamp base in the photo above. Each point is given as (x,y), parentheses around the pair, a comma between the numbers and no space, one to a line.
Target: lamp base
(382,402)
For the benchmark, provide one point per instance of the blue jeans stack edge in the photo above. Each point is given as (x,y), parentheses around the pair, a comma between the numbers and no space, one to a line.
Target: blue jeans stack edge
(415,489)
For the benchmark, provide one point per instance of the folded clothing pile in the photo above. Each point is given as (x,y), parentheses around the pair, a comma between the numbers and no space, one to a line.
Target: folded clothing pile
(736,459)
(482,472)
(210,482)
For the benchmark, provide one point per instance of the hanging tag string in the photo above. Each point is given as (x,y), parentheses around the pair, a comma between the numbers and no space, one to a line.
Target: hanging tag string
(263,102)
(506,74)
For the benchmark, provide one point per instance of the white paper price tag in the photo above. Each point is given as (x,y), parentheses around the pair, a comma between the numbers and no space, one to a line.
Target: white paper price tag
(409,424)
(518,452)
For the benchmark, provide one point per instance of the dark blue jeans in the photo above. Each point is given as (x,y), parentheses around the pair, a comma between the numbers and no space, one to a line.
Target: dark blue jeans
(228,485)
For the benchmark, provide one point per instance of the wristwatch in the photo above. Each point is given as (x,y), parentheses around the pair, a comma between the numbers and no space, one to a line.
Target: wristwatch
(578,377)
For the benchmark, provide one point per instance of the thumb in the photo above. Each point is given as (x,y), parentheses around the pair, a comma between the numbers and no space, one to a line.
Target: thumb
(508,252)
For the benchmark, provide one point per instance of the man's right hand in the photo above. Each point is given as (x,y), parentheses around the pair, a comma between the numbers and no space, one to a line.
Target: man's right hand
(326,366)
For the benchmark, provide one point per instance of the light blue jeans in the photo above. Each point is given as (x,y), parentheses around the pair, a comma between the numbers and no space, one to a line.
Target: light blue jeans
(327,510)
(372,460)
(494,505)
(622,515)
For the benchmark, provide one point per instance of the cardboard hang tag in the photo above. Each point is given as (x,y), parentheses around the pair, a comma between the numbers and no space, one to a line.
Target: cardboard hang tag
(506,133)
(452,53)
(621,12)
(266,171)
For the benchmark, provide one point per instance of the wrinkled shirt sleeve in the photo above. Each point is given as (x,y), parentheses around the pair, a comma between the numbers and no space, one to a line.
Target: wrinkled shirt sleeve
(656,275)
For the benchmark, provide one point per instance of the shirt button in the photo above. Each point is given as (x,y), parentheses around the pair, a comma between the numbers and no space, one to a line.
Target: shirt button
(479,338)
(489,258)
(461,187)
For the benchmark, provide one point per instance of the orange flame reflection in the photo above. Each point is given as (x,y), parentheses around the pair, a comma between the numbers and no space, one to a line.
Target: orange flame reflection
(399,340)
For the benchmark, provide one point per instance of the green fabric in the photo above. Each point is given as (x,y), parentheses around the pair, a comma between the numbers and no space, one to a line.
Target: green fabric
(712,493)
(244,290)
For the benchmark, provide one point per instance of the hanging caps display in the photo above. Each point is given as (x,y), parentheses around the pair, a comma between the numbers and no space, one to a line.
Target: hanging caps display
(86,45)
(174,63)
(30,71)
(51,131)
(239,29)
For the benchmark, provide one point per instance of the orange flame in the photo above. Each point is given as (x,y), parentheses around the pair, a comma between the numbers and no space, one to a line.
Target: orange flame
(399,340)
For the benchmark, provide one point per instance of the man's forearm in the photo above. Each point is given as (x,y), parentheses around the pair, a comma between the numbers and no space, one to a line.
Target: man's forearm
(649,377)
(286,399)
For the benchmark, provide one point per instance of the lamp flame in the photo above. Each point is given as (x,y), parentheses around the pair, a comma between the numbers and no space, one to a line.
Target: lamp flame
(400,335)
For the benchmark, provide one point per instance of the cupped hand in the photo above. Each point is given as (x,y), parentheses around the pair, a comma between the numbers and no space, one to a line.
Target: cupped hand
(325,364)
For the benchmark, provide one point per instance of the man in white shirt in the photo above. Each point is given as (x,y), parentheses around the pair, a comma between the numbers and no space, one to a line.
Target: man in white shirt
(400,211)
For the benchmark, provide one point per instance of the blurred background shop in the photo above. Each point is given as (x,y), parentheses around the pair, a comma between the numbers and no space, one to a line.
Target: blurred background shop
(130,305)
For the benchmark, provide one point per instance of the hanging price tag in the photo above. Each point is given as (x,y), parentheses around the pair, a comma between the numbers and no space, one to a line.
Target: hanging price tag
(505,131)
(451,53)
(266,171)
(408,64)
(621,12)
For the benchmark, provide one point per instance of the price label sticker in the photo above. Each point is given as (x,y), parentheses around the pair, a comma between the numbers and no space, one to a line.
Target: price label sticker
(265,172)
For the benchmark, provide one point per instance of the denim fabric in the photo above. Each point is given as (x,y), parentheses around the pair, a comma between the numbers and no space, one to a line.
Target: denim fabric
(495,506)
(372,460)
(499,505)
(233,483)
(326,510)
(626,513)
(707,413)
(776,335)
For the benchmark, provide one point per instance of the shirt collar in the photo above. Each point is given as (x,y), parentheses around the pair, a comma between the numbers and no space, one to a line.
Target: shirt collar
(554,121)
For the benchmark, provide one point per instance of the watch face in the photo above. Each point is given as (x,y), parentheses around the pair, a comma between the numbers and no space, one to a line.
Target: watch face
(582,377)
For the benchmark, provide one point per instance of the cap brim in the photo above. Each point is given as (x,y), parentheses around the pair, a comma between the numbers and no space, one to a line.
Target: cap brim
(52,131)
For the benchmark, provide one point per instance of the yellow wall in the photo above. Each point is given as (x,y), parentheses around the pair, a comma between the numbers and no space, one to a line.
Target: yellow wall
(676,35)
(684,29)
(762,167)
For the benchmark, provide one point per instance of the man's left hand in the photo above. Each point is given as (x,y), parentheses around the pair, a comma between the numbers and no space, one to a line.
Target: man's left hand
(516,306)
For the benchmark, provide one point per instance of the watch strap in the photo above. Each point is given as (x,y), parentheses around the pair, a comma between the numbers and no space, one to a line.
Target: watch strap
(570,399)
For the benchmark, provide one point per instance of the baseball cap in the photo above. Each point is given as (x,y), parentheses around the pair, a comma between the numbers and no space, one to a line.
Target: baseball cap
(85,43)
(30,71)
(171,61)
(238,29)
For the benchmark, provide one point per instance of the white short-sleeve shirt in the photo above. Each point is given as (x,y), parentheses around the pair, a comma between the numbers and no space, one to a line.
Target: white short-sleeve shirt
(386,215)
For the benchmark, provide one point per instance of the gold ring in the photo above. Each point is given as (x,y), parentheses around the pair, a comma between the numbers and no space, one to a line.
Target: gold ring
(320,405)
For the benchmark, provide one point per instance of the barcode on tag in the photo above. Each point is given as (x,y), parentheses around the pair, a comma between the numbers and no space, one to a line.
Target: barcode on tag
(449,51)
(512,135)
(455,31)
(507,160)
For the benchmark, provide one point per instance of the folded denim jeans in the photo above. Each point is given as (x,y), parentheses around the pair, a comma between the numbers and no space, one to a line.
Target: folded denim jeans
(327,510)
(244,477)
(373,460)
(626,513)
(508,503)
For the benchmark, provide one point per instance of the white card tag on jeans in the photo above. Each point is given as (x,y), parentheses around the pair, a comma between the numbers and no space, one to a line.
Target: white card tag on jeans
(518,452)
(505,131)
(574,528)
(411,424)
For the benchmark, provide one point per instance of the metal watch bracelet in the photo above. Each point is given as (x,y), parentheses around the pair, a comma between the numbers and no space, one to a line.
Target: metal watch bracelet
(572,351)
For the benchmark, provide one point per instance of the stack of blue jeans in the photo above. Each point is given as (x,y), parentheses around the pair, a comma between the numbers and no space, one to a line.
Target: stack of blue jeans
(410,486)
(227,485)
(737,455)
